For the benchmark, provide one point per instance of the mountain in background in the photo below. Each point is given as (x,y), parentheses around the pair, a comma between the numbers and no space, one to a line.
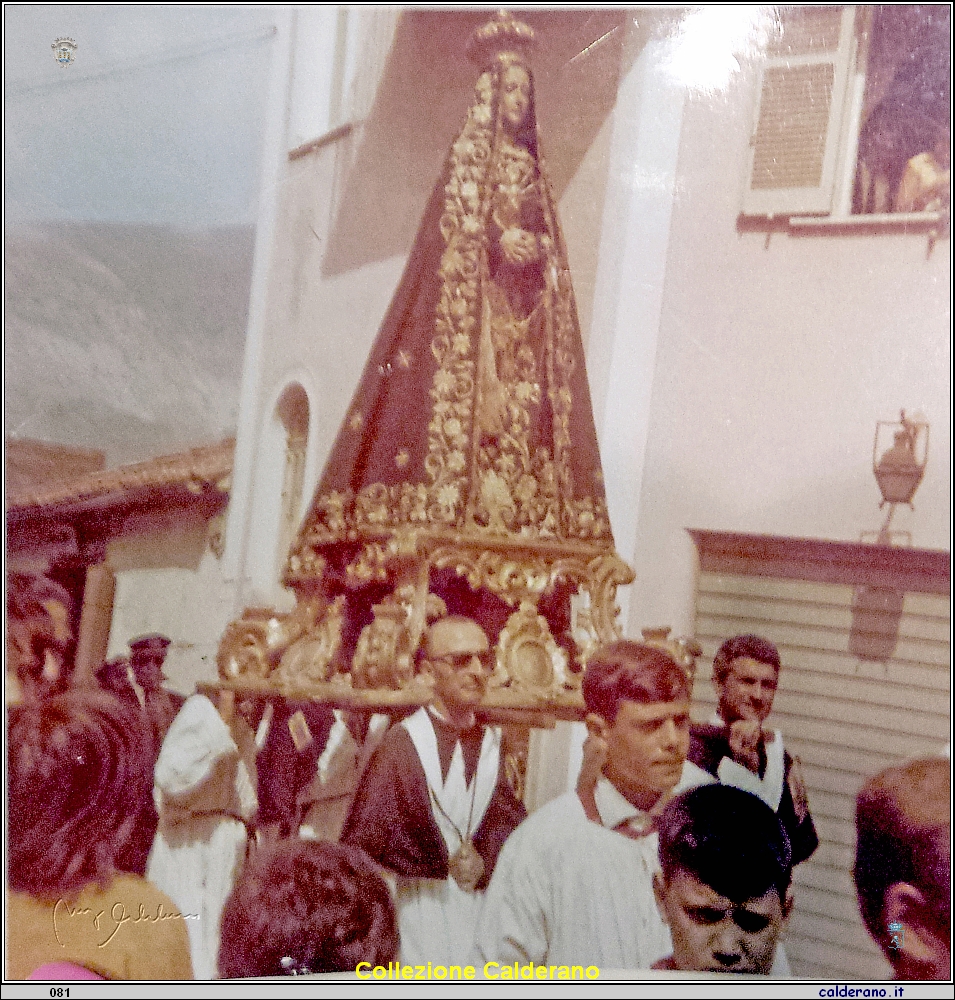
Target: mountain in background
(124,338)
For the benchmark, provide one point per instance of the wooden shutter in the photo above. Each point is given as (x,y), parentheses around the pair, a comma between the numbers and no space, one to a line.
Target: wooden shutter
(798,127)
(845,717)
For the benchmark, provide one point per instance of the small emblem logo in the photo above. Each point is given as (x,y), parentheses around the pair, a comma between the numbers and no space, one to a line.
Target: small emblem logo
(64,49)
(896,936)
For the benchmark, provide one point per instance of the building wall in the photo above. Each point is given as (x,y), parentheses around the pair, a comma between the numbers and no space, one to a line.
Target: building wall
(168,580)
(777,355)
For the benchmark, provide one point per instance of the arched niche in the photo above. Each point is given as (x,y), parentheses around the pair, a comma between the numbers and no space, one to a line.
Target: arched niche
(277,496)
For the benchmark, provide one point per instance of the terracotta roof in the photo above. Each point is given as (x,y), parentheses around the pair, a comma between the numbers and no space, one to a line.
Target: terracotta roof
(197,470)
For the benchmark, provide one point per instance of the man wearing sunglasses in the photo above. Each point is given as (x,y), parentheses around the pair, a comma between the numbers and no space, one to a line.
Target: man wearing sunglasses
(435,807)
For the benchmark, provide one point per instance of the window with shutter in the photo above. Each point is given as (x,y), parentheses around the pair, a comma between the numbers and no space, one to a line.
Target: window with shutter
(795,144)
(853,114)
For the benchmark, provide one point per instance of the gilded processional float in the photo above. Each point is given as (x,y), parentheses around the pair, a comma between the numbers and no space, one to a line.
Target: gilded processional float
(466,476)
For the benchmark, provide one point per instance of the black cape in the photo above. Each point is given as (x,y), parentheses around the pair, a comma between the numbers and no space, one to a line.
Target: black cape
(710,744)
(392,820)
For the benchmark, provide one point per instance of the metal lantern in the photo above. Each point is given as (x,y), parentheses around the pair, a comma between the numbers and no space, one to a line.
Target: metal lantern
(899,465)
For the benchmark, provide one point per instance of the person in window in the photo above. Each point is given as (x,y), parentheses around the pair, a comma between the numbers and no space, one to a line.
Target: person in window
(927,180)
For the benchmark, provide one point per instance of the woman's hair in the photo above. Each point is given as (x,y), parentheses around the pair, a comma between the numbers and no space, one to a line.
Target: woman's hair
(78,772)
(629,671)
(303,906)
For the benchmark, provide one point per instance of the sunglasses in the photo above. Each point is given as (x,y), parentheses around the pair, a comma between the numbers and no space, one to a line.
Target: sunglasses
(460,661)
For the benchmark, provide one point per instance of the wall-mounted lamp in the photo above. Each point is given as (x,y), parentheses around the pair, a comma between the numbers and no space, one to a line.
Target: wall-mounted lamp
(899,456)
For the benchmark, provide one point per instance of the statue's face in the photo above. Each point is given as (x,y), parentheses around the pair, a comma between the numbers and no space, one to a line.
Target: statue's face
(515,96)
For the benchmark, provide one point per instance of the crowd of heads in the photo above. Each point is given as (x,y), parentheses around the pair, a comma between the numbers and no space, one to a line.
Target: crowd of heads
(79,768)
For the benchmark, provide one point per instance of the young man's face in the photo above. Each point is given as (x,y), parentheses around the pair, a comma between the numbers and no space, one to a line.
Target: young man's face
(647,745)
(748,690)
(711,933)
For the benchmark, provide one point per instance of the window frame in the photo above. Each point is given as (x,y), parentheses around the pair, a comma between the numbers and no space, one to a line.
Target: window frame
(828,206)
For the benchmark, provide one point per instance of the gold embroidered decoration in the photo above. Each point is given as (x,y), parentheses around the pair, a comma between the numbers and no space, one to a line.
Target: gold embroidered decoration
(469,450)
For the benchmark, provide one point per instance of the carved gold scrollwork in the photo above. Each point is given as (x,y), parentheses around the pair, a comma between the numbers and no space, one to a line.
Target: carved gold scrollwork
(528,655)
(511,577)
(254,644)
(384,654)
(310,659)
(515,750)
(684,650)
(306,562)
(607,572)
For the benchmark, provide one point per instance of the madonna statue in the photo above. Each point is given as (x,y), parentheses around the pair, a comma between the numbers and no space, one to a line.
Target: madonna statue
(469,446)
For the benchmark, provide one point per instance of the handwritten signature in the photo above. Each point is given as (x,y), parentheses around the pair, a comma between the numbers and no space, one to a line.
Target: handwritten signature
(110,921)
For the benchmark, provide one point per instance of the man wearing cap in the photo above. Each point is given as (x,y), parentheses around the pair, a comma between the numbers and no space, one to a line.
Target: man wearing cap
(147,655)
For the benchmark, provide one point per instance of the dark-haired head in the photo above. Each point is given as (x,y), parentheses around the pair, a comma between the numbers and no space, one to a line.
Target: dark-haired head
(304,906)
(38,633)
(629,671)
(724,888)
(730,840)
(903,863)
(750,647)
(79,768)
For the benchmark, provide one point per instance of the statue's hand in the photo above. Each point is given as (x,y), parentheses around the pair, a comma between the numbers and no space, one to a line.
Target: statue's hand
(745,736)
(519,246)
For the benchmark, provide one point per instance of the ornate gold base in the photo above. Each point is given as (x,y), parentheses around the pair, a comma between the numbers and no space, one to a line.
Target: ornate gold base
(300,654)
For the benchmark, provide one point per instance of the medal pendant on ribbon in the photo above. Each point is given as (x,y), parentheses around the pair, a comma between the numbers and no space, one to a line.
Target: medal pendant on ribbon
(466,866)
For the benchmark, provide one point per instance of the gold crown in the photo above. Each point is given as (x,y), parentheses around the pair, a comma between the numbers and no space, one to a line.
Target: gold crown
(501,34)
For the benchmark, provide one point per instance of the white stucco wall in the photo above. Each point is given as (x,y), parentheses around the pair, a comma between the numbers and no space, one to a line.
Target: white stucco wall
(736,380)
(775,361)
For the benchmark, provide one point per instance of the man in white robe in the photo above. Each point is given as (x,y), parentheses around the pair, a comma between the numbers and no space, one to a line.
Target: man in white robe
(574,884)
(435,807)
(205,793)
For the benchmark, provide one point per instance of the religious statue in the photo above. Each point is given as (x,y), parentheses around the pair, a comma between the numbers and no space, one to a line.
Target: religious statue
(467,465)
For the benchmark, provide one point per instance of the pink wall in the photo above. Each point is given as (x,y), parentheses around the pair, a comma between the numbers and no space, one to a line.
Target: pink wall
(774,364)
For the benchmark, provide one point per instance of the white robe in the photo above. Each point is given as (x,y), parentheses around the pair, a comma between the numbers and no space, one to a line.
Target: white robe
(195,857)
(567,891)
(436,918)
